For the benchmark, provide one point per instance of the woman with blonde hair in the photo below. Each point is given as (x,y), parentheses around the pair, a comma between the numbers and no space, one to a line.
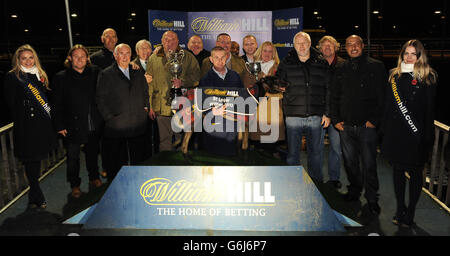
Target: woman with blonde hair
(26,87)
(267,55)
(32,67)
(408,125)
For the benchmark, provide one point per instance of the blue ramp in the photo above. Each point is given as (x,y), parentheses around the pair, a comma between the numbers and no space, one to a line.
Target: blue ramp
(81,217)
(230,198)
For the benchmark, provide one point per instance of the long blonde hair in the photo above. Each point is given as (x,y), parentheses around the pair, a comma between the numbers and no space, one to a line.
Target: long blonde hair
(422,69)
(16,63)
(258,53)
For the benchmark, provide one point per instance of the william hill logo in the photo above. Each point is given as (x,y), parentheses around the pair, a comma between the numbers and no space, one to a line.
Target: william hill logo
(287,22)
(162,191)
(207,25)
(157,23)
(218,92)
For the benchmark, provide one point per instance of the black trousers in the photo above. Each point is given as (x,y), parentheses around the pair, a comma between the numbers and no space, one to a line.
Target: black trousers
(150,139)
(359,150)
(123,151)
(415,188)
(33,172)
(91,151)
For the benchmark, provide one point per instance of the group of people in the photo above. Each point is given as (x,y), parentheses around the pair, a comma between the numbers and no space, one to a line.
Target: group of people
(367,108)
(107,104)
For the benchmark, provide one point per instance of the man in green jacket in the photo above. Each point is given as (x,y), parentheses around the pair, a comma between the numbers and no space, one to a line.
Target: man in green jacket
(159,87)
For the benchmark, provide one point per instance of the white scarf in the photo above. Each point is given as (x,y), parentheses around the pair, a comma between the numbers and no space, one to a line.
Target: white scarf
(34,70)
(406,68)
(409,68)
(266,66)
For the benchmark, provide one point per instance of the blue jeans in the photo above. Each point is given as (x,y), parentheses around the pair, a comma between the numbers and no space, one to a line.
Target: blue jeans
(359,148)
(334,153)
(314,132)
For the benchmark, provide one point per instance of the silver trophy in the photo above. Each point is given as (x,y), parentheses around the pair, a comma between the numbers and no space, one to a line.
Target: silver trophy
(175,60)
(254,68)
(175,68)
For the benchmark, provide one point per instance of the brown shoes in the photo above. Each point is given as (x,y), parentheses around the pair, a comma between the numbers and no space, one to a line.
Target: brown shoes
(96,183)
(76,192)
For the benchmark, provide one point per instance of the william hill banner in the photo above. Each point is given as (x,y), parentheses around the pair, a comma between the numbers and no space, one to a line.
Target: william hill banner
(230,198)
(278,26)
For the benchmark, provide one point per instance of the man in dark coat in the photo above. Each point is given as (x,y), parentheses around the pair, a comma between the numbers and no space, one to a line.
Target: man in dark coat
(220,142)
(329,47)
(305,102)
(122,99)
(233,62)
(76,116)
(195,46)
(356,108)
(143,51)
(103,58)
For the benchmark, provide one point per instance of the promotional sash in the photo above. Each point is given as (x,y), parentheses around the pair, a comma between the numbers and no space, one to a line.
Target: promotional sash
(407,117)
(39,97)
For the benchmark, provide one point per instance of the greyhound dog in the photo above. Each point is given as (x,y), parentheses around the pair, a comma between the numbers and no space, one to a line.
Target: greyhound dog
(185,116)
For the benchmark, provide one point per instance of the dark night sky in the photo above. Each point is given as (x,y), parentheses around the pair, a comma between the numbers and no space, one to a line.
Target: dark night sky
(46,20)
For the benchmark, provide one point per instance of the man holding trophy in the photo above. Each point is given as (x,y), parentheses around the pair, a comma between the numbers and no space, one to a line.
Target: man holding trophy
(172,69)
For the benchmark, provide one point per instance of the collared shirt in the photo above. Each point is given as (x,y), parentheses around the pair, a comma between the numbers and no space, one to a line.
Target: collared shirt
(219,74)
(144,64)
(125,71)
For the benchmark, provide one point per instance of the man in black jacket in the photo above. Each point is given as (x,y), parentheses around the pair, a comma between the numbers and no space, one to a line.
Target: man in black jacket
(220,141)
(356,108)
(76,116)
(195,46)
(305,102)
(143,51)
(122,99)
(103,58)
(329,47)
